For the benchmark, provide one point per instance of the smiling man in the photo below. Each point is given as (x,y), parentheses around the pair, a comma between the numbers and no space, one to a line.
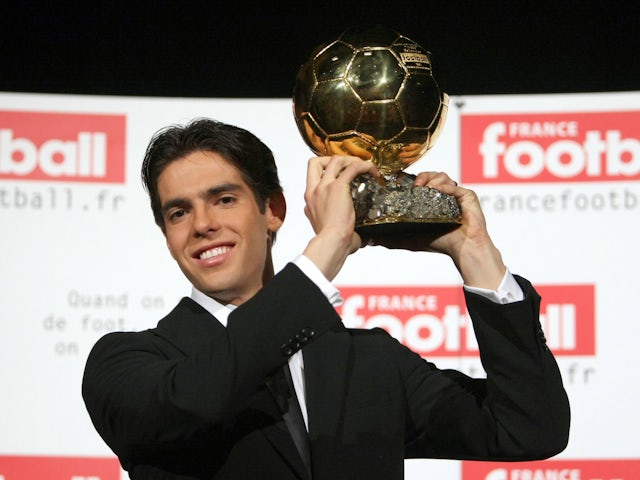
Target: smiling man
(215,226)
(255,376)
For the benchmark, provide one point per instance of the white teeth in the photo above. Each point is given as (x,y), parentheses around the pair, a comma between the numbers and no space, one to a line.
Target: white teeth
(214,252)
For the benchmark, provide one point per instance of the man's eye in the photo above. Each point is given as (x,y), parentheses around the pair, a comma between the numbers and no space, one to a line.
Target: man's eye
(176,214)
(226,200)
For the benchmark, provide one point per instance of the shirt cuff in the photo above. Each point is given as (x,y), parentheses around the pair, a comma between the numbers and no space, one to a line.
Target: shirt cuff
(316,276)
(508,291)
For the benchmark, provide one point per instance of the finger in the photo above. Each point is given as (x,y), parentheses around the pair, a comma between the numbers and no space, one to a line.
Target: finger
(440,178)
(346,169)
(333,167)
(358,167)
(434,179)
(315,169)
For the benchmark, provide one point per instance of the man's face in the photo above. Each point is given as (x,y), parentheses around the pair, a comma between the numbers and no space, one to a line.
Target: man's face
(213,226)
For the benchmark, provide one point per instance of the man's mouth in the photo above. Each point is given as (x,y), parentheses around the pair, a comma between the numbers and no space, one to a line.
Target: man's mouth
(214,252)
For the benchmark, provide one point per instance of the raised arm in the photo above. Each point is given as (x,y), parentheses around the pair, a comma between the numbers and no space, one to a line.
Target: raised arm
(329,208)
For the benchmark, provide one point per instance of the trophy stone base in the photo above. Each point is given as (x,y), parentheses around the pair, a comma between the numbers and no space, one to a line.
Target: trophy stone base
(393,206)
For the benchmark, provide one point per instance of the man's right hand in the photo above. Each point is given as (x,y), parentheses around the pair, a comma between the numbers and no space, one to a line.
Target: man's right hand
(329,208)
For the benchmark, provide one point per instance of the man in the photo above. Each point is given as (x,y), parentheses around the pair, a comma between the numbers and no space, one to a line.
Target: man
(255,376)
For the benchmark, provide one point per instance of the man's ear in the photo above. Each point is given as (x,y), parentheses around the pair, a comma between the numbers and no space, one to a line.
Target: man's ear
(276,210)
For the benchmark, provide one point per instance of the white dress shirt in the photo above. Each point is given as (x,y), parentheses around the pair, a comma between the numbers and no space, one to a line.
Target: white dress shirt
(508,291)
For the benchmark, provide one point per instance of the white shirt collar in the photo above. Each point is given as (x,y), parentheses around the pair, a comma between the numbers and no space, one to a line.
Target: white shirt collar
(215,308)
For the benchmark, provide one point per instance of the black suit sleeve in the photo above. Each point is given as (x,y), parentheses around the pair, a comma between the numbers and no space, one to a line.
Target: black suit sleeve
(147,392)
(520,412)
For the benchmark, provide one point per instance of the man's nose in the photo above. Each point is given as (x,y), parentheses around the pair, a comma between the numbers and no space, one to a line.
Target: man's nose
(205,220)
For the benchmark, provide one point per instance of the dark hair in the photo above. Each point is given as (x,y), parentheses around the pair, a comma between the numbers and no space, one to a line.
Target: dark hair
(240,147)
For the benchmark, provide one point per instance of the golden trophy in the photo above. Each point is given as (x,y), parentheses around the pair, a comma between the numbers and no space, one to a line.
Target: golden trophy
(371,93)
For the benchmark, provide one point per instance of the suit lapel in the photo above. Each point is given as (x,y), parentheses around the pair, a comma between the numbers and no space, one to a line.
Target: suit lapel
(186,327)
(326,364)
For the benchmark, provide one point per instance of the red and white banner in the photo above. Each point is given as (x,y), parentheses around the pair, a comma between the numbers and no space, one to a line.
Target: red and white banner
(619,469)
(551,147)
(434,322)
(49,146)
(58,468)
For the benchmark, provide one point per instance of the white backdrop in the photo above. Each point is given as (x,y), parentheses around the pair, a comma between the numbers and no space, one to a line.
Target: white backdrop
(81,256)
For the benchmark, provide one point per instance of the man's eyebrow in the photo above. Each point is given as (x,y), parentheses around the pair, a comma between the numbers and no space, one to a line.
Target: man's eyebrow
(219,189)
(174,202)
(208,193)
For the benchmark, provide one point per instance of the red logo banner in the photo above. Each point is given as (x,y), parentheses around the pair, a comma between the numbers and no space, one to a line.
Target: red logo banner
(557,147)
(58,468)
(62,147)
(433,321)
(617,469)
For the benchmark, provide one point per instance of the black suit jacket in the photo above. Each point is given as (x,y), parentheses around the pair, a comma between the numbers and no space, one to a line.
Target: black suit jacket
(189,399)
